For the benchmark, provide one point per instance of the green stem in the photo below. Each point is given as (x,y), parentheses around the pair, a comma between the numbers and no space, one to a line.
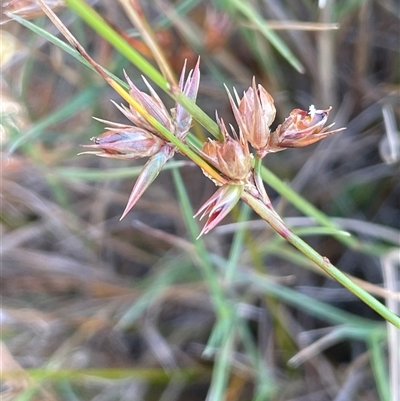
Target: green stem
(93,19)
(310,210)
(378,364)
(279,226)
(209,273)
(222,364)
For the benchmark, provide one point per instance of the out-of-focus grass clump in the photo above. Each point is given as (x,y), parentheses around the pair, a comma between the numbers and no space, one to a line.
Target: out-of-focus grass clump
(94,308)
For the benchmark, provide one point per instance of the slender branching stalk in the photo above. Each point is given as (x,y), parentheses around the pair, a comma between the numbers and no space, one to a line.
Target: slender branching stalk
(106,31)
(277,224)
(157,133)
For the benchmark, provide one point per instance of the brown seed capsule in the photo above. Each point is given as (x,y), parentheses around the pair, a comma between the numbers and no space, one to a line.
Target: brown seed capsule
(230,156)
(254,115)
(301,129)
(258,112)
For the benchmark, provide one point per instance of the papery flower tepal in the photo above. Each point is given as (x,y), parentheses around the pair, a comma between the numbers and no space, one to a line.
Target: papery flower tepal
(254,115)
(301,129)
(255,112)
(182,118)
(232,158)
(219,205)
(125,143)
(142,139)
(148,174)
(151,103)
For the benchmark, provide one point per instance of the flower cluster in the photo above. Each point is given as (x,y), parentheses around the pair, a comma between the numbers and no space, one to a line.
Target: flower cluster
(254,114)
(301,129)
(231,156)
(141,139)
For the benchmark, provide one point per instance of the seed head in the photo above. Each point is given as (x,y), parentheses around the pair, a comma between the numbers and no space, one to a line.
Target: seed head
(301,129)
(152,104)
(230,156)
(219,205)
(142,139)
(255,114)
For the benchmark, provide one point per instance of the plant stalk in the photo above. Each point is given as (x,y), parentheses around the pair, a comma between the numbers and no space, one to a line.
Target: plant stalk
(323,262)
(93,19)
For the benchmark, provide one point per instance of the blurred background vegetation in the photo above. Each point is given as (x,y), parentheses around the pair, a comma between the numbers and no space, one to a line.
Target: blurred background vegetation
(98,309)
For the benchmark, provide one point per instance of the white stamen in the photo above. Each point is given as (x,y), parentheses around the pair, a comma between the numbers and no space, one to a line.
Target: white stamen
(312,111)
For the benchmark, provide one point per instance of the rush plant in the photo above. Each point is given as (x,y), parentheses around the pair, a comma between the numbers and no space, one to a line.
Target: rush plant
(157,133)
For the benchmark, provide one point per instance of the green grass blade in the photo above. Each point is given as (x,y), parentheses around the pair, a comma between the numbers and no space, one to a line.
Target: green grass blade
(62,45)
(266,386)
(222,332)
(95,174)
(81,100)
(316,308)
(237,244)
(155,375)
(170,273)
(249,12)
(204,261)
(310,210)
(379,367)
(324,263)
(222,365)
(103,29)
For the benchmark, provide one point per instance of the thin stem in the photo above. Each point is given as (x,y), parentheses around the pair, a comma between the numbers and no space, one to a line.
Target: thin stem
(183,148)
(93,19)
(279,226)
(252,15)
(169,136)
(310,210)
(209,273)
(139,21)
